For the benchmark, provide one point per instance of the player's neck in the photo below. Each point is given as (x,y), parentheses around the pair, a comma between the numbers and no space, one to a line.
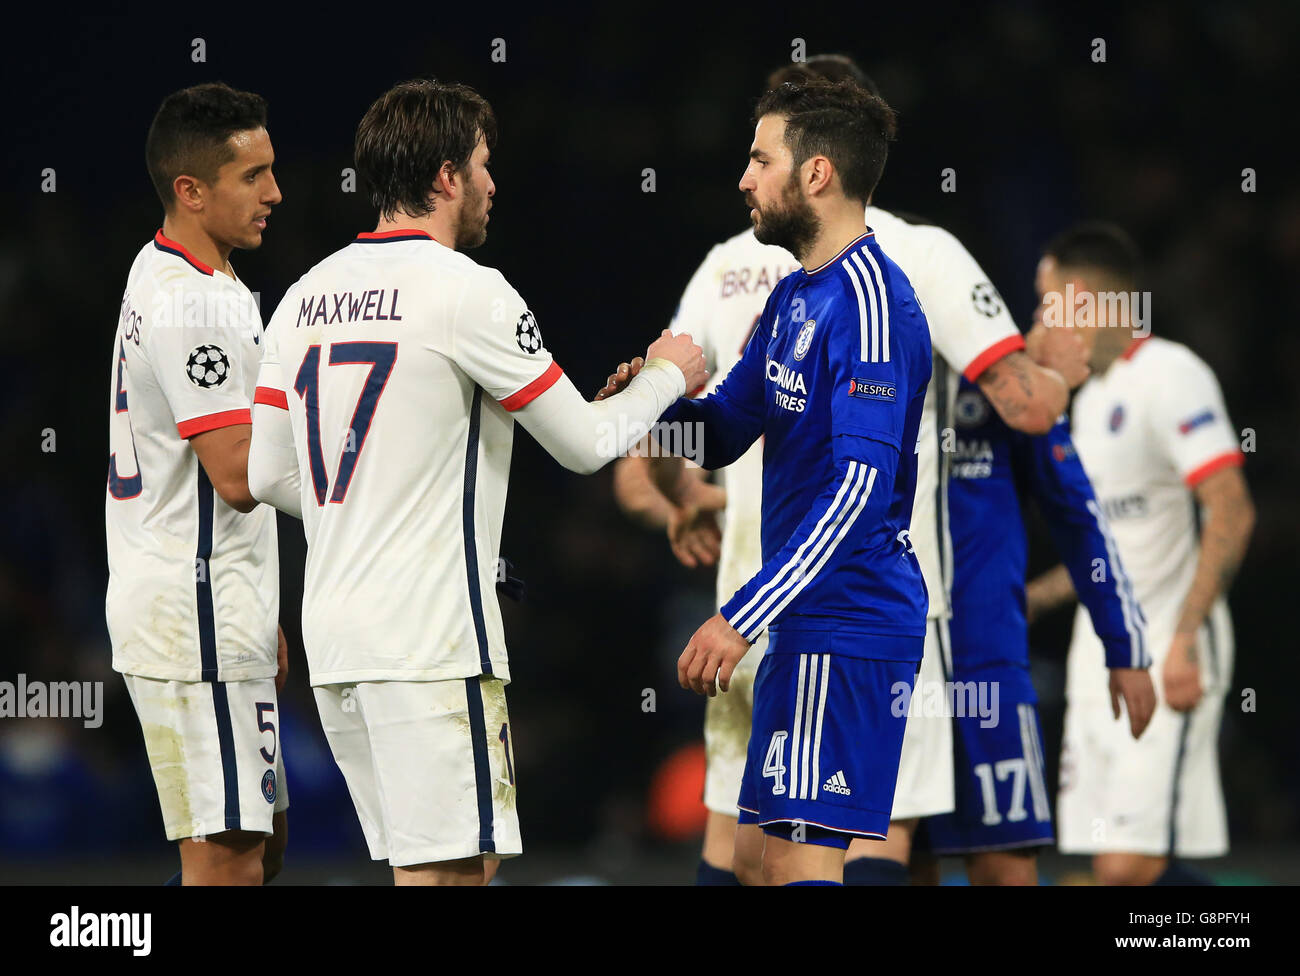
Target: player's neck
(440,225)
(838,232)
(190,235)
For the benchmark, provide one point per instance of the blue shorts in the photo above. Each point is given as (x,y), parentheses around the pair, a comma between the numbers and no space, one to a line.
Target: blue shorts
(1001,789)
(825,742)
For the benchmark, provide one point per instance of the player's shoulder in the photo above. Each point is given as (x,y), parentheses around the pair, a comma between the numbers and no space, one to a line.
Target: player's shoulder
(164,265)
(1166,358)
(909,235)
(745,248)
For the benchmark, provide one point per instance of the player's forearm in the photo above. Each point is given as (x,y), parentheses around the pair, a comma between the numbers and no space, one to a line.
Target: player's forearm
(1028,397)
(585,436)
(1224,538)
(668,474)
(637,494)
(1052,589)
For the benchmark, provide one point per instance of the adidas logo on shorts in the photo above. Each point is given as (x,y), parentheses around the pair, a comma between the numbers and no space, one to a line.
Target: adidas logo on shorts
(836,784)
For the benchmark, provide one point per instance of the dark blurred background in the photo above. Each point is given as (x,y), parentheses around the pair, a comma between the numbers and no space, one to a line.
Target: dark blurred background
(1008,95)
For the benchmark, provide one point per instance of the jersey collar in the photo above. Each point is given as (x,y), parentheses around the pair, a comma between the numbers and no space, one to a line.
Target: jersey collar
(171,247)
(383,237)
(844,250)
(1133,347)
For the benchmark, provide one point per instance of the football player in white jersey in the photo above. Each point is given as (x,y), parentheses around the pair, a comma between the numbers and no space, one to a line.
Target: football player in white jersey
(393,374)
(972,334)
(193,587)
(1153,434)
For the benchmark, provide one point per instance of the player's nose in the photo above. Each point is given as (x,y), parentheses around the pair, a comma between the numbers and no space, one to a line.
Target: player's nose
(273,195)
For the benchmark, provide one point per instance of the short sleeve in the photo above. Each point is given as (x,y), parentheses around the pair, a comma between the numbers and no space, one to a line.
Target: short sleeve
(1191,425)
(497,342)
(970,326)
(270,378)
(196,348)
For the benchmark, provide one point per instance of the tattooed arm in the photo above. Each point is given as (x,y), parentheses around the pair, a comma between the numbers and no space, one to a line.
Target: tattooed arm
(1028,397)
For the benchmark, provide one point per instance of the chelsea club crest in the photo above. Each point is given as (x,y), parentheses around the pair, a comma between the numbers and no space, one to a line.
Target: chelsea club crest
(805,339)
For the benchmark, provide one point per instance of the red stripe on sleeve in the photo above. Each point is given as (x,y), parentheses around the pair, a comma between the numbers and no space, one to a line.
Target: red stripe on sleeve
(1232,459)
(992,354)
(214,421)
(271,397)
(534,389)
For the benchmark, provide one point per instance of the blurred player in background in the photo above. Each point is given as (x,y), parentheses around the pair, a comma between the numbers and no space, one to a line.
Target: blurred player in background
(1002,814)
(194,581)
(393,374)
(1154,436)
(972,334)
(833,378)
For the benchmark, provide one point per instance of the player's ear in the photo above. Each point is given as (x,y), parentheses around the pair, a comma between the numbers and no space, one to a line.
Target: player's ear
(189,193)
(446,181)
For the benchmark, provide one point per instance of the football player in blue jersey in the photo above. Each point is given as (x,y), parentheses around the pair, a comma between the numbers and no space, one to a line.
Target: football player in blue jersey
(834,378)
(1003,815)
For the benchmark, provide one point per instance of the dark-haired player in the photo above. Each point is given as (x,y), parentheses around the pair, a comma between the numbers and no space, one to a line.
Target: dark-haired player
(833,377)
(193,588)
(393,376)
(1154,436)
(973,336)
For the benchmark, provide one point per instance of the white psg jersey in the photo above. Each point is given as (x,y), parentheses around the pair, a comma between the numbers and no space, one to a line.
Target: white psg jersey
(193,585)
(1148,431)
(970,329)
(400,361)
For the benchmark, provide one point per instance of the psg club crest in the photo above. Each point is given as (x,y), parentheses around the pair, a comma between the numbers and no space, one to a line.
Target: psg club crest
(802,344)
(1117,418)
(971,408)
(527,334)
(207,367)
(268,785)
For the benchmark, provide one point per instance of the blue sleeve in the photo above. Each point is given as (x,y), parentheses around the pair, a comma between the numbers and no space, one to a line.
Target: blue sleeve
(856,500)
(730,418)
(1065,497)
(866,428)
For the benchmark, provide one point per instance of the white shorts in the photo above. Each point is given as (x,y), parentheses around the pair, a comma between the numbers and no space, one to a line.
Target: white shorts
(1156,795)
(925,769)
(214,748)
(429,764)
(728,718)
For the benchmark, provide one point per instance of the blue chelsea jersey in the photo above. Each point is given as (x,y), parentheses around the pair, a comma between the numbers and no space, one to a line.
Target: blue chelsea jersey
(834,378)
(996,467)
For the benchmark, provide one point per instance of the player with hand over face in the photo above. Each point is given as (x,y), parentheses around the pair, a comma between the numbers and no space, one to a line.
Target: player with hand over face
(393,376)
(1153,434)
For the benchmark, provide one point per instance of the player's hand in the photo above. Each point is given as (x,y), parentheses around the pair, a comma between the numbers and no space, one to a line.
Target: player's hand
(1134,686)
(681,351)
(1059,348)
(1182,674)
(281,660)
(620,378)
(694,535)
(710,657)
